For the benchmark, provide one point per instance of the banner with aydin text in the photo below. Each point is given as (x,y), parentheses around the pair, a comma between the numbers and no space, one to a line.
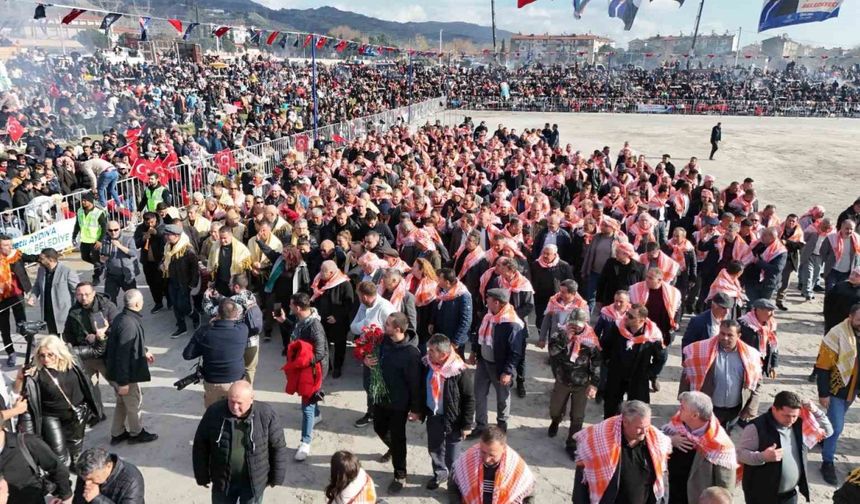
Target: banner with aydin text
(778,13)
(57,236)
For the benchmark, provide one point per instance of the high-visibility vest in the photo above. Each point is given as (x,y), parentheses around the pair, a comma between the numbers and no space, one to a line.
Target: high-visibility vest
(91,231)
(153,197)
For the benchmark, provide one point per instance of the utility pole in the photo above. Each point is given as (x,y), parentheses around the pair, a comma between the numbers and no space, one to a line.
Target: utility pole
(493,15)
(696,32)
(440,45)
(738,53)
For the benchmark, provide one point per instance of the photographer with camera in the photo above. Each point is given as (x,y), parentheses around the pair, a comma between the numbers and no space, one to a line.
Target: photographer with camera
(221,345)
(86,332)
(252,315)
(127,363)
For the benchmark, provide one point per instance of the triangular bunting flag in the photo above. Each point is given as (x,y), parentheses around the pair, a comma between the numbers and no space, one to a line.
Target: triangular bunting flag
(220,31)
(283,42)
(578,7)
(40,12)
(625,10)
(256,36)
(176,24)
(71,16)
(296,43)
(307,40)
(272,37)
(144,24)
(187,33)
(108,20)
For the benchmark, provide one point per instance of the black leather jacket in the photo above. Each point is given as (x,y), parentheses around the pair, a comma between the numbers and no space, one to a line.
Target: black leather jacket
(79,323)
(31,421)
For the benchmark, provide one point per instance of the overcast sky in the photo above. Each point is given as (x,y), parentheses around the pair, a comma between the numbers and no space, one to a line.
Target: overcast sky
(556,16)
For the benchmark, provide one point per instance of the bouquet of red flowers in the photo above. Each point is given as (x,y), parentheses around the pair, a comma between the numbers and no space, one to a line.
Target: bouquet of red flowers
(367,345)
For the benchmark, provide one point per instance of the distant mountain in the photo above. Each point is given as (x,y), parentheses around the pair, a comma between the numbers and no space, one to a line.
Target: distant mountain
(322,19)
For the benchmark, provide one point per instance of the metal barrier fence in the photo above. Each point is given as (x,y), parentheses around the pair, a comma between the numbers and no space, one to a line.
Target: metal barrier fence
(201,173)
(660,106)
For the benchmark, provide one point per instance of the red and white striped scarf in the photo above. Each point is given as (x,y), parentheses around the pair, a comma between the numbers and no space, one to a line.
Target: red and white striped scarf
(318,286)
(397,295)
(714,444)
(513,483)
(639,293)
(556,305)
(575,342)
(453,293)
(667,265)
(599,454)
(425,291)
(766,332)
(452,366)
(679,250)
(726,284)
(700,356)
(612,313)
(837,243)
(506,315)
(652,333)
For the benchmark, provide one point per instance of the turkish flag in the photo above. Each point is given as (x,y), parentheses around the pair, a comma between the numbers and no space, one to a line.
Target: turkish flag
(272,36)
(14,129)
(307,40)
(141,169)
(220,31)
(224,161)
(321,42)
(72,15)
(302,143)
(340,46)
(523,3)
(177,24)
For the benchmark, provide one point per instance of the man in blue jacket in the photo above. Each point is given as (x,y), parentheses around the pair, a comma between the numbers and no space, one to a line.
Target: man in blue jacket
(707,324)
(496,351)
(453,316)
(222,347)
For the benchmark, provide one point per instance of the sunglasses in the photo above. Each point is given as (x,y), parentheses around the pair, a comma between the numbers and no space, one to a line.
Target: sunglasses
(112,230)
(46,355)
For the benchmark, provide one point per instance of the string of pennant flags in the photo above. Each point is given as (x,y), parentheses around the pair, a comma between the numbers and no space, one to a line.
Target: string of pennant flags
(283,38)
(279,38)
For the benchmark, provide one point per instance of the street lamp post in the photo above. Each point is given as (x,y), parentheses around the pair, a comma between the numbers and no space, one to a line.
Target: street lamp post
(440,45)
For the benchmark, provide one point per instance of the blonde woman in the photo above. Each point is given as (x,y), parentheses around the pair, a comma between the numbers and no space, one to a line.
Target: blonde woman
(60,399)
(422,283)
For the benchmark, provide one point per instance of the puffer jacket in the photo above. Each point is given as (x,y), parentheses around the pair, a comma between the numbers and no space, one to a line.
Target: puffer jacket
(265,448)
(310,330)
(584,371)
(304,376)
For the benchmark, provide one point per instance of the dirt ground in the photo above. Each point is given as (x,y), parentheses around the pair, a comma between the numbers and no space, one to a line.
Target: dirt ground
(796,163)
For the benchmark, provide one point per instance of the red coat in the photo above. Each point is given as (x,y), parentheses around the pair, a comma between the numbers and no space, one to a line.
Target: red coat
(302,378)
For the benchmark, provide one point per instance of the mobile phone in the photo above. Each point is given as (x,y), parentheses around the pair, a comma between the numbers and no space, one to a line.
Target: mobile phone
(277,308)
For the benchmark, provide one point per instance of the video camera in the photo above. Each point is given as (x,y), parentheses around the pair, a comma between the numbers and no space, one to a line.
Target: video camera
(29,329)
(191,379)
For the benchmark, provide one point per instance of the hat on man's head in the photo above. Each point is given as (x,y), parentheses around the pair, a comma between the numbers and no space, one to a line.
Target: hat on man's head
(503,295)
(174,229)
(765,304)
(578,318)
(711,221)
(723,300)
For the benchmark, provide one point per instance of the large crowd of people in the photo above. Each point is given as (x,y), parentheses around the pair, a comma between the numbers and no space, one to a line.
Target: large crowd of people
(441,252)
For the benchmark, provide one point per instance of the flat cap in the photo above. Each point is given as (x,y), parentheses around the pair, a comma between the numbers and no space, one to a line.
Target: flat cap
(503,295)
(174,229)
(765,304)
(722,299)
